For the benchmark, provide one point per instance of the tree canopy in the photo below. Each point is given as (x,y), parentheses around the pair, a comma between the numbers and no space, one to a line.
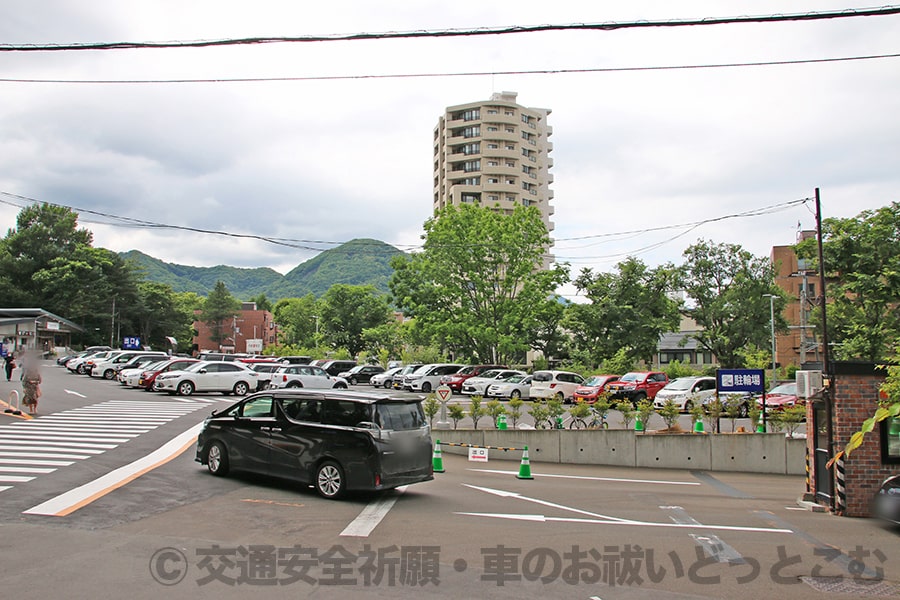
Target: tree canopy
(628,311)
(862,267)
(478,283)
(727,289)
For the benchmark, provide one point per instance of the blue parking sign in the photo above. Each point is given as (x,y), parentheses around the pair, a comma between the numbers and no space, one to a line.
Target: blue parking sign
(740,380)
(131,343)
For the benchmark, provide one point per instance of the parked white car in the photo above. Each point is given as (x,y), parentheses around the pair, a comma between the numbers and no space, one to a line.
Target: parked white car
(209,376)
(133,373)
(107,369)
(517,386)
(305,376)
(385,379)
(265,370)
(476,386)
(428,377)
(686,392)
(556,385)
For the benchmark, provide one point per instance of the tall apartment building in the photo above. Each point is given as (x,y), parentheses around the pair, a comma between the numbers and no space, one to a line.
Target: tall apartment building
(495,152)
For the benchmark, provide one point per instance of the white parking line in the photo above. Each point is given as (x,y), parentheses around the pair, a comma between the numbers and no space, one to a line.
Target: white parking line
(372,515)
(498,472)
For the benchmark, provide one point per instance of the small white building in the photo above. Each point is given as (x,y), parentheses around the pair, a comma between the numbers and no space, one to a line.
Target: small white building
(34,329)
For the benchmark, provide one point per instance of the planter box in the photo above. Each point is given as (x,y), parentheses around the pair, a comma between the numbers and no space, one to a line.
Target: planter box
(749,452)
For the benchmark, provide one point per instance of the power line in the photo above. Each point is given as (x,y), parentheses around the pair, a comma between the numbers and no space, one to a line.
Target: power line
(768,63)
(302,244)
(445,33)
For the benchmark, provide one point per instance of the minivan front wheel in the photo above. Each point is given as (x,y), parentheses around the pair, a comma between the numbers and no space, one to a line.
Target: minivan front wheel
(330,480)
(217,459)
(426,387)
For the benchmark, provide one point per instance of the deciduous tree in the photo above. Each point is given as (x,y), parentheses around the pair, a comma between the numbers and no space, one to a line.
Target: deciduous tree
(862,266)
(478,286)
(727,287)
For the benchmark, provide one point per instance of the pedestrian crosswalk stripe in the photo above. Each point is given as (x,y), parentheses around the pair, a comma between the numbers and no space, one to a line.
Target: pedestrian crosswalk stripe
(43,445)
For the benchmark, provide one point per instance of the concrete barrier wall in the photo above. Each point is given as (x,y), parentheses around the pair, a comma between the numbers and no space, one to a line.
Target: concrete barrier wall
(677,451)
(758,453)
(749,453)
(612,447)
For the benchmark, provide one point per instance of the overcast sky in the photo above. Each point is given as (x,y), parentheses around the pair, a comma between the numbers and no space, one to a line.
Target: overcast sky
(329,161)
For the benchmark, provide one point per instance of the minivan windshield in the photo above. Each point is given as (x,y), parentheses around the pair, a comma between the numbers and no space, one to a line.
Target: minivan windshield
(400,416)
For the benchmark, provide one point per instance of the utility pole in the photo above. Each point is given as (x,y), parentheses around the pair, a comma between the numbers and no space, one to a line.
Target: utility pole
(112,324)
(828,392)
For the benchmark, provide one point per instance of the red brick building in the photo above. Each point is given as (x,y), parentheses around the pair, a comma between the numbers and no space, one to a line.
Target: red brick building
(856,395)
(250,331)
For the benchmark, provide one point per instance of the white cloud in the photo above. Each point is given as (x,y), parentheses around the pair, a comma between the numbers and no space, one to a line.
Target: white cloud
(329,161)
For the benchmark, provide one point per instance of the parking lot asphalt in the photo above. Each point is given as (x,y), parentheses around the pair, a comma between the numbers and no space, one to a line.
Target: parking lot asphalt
(477,530)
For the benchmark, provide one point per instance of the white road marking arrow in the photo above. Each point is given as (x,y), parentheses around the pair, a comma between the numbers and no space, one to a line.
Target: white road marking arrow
(598,518)
(75,393)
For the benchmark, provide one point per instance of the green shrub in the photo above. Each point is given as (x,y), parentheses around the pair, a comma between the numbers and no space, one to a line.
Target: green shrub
(626,408)
(540,413)
(644,412)
(515,410)
(476,411)
(494,409)
(669,413)
(456,413)
(431,406)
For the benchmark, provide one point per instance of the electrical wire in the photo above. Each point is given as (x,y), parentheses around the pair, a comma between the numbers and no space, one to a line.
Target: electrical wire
(303,244)
(768,63)
(445,33)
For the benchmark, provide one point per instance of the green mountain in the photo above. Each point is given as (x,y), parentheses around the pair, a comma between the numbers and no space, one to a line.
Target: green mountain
(357,262)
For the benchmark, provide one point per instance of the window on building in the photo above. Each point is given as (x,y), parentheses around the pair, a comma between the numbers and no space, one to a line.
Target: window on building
(493,180)
(511,147)
(510,113)
(890,440)
(493,111)
(493,146)
(510,129)
(492,128)
(494,198)
(470,198)
(472,165)
(471,115)
(493,163)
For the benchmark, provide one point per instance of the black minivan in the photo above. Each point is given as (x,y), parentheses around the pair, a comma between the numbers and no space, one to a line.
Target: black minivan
(337,441)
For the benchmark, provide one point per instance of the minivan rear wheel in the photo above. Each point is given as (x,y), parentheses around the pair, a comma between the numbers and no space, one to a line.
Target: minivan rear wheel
(330,480)
(426,387)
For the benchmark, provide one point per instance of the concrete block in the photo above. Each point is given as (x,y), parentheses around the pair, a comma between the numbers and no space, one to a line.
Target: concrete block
(543,444)
(795,456)
(598,447)
(673,451)
(748,452)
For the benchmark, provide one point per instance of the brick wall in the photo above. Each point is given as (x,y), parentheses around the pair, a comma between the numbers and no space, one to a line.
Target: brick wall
(246,325)
(856,393)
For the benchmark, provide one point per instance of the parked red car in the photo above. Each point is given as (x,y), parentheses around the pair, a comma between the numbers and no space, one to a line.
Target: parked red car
(593,387)
(638,385)
(781,397)
(455,381)
(176,364)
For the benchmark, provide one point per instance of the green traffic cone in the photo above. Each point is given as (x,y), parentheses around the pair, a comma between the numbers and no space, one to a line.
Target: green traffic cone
(638,425)
(760,427)
(501,422)
(698,427)
(525,467)
(437,461)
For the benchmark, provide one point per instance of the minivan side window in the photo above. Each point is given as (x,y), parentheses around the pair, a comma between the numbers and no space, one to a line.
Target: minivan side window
(345,413)
(303,409)
(258,407)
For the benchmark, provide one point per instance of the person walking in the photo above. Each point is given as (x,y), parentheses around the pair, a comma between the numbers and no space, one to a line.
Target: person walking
(31,386)
(9,365)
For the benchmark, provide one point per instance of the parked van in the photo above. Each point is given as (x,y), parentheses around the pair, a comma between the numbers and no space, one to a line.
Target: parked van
(333,440)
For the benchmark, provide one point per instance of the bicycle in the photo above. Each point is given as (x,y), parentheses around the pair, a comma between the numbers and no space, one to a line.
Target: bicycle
(597,421)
